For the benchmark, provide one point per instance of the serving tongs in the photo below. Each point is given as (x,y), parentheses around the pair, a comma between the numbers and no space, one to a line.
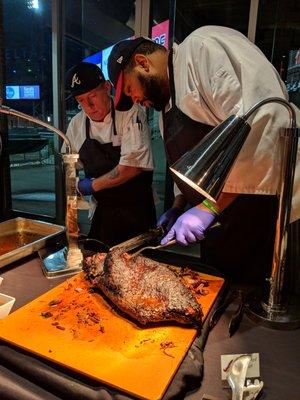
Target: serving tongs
(162,246)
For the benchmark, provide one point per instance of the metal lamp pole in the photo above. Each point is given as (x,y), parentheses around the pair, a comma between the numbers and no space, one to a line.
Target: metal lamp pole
(279,311)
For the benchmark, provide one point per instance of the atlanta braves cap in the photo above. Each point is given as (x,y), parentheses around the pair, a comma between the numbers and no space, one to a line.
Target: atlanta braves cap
(83,77)
(118,58)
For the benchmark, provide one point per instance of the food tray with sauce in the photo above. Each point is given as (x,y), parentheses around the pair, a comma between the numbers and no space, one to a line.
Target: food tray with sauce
(20,237)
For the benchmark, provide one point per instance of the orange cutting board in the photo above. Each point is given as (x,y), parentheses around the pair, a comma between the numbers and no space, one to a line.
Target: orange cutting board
(85,334)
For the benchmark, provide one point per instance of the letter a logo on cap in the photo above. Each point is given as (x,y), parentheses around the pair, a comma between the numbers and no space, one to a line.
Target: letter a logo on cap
(120,60)
(76,80)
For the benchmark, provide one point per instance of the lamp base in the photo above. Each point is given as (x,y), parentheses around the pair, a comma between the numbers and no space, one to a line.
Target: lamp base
(286,318)
(66,261)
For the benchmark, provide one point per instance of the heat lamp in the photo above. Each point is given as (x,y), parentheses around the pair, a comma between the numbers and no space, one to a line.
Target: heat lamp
(206,167)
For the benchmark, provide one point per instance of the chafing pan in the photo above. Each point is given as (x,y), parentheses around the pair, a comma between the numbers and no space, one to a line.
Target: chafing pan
(20,237)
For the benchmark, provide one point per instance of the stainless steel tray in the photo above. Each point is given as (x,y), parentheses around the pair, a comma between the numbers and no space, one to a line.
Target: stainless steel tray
(38,231)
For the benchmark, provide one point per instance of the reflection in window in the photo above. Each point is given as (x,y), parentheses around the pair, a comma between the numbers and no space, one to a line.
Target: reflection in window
(277,35)
(28,77)
(191,14)
(293,76)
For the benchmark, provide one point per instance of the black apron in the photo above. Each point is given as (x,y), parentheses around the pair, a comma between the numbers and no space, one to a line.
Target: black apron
(242,247)
(123,211)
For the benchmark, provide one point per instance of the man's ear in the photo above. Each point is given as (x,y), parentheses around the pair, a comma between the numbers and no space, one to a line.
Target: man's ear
(142,61)
(107,86)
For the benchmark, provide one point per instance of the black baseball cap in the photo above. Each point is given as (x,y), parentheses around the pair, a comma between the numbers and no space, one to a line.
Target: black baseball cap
(118,58)
(83,77)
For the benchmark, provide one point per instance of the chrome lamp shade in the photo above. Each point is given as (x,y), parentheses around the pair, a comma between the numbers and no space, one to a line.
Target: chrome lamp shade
(206,167)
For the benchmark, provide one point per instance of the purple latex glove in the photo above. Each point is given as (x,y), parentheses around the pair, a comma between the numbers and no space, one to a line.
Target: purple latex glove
(85,186)
(190,226)
(167,219)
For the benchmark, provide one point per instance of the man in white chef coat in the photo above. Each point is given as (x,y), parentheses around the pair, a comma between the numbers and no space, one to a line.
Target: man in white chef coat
(115,153)
(214,73)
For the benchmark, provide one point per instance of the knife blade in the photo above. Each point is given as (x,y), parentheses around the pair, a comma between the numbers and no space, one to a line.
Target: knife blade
(139,240)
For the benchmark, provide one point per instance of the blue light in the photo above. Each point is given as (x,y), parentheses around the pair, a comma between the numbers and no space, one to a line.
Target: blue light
(23,92)
(33,4)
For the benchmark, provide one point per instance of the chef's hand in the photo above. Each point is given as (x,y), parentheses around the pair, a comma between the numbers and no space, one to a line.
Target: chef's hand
(167,219)
(190,226)
(85,186)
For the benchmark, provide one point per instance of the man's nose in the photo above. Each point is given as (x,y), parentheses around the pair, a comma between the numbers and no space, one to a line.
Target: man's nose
(91,104)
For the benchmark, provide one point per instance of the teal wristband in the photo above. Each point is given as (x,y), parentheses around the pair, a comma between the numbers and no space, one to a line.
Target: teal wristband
(210,206)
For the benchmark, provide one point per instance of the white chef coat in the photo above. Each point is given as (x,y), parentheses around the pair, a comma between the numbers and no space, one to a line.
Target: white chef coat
(219,72)
(130,125)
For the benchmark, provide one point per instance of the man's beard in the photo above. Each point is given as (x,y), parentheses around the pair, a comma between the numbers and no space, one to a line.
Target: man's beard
(155,90)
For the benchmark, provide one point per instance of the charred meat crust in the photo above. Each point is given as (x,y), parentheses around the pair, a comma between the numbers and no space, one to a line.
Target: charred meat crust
(144,289)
